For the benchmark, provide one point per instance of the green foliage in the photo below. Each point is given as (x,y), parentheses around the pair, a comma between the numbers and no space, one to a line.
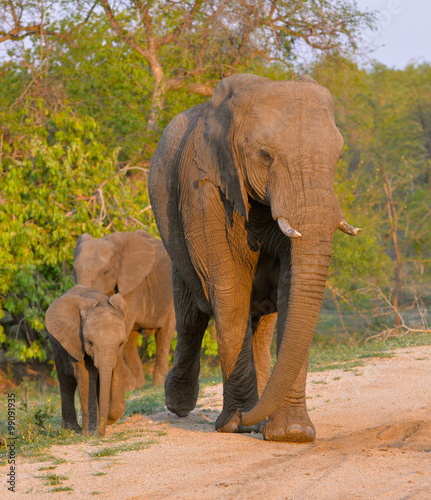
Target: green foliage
(384,188)
(209,343)
(75,143)
(59,180)
(37,426)
(36,422)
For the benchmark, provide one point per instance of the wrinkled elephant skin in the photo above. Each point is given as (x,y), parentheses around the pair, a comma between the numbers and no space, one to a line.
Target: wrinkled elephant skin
(242,188)
(137,266)
(87,330)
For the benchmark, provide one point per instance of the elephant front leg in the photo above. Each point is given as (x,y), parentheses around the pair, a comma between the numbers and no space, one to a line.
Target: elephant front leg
(86,376)
(67,390)
(164,336)
(235,351)
(182,382)
(291,422)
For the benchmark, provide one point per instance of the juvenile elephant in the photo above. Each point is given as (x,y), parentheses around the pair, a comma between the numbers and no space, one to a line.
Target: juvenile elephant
(137,266)
(242,190)
(88,333)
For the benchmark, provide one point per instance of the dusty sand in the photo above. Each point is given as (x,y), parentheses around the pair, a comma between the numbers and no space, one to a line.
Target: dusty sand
(373,441)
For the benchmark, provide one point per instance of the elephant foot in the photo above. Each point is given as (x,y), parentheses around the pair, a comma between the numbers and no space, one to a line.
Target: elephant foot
(116,412)
(290,424)
(71,425)
(180,396)
(233,424)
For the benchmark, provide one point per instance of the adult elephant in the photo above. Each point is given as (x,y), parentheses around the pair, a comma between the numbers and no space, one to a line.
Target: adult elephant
(242,190)
(137,266)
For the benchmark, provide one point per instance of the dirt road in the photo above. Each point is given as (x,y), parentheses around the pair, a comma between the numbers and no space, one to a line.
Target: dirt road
(373,441)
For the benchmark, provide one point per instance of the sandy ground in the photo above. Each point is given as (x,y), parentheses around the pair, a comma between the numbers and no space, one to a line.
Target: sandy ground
(373,441)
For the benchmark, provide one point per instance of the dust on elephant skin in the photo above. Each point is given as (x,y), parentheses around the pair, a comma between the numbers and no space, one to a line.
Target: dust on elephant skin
(137,266)
(88,333)
(242,188)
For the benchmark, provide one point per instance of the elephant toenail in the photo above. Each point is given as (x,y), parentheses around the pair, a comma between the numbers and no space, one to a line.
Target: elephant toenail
(310,432)
(295,428)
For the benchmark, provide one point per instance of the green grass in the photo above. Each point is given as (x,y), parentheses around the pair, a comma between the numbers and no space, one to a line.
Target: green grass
(348,356)
(53,479)
(152,401)
(115,450)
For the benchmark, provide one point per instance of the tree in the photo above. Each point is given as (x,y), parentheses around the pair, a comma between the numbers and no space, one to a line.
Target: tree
(58,181)
(30,18)
(382,114)
(216,38)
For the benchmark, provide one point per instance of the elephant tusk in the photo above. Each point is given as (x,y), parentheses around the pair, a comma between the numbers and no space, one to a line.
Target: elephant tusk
(287,229)
(348,229)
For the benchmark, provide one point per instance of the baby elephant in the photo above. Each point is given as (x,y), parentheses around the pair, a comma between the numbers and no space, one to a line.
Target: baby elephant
(136,265)
(87,330)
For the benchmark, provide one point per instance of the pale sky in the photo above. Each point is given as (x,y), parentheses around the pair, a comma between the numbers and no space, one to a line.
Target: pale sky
(404,31)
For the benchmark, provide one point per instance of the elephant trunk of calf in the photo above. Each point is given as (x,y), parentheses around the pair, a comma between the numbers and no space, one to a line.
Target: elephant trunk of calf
(105,380)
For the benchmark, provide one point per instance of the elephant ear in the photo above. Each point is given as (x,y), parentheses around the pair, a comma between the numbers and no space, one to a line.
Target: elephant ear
(119,303)
(215,154)
(82,238)
(307,78)
(63,319)
(136,261)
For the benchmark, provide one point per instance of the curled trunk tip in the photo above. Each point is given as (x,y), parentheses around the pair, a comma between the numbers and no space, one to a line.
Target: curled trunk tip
(348,229)
(287,229)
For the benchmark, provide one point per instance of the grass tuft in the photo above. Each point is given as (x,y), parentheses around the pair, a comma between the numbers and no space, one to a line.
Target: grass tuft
(115,450)
(151,402)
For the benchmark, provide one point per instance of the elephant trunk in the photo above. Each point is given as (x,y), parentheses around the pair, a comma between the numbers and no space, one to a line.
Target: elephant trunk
(105,381)
(305,278)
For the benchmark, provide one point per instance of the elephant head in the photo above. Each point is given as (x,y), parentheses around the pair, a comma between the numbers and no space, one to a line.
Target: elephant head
(277,143)
(87,322)
(118,261)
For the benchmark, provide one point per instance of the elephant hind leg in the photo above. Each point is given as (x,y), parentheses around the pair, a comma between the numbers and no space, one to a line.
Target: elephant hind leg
(164,336)
(182,382)
(136,377)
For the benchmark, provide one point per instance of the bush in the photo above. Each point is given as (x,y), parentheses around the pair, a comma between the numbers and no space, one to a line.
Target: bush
(58,181)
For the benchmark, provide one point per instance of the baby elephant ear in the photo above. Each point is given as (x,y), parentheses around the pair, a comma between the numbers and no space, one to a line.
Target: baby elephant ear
(118,302)
(63,320)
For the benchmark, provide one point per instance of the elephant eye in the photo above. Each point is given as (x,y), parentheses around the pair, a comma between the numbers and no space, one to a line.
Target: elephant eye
(122,343)
(90,343)
(266,157)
